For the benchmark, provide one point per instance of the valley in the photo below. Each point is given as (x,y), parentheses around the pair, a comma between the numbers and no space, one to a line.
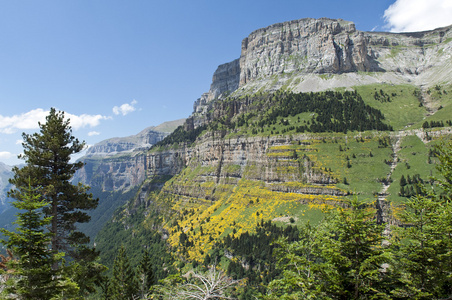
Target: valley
(314,117)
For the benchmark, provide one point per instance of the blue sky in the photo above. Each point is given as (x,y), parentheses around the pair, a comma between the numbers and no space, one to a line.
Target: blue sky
(116,66)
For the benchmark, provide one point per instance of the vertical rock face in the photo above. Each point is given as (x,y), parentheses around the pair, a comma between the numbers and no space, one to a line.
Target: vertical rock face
(118,164)
(226,161)
(306,45)
(115,173)
(225,78)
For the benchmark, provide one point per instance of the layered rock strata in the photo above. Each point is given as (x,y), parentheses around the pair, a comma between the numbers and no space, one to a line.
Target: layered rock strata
(222,161)
(307,54)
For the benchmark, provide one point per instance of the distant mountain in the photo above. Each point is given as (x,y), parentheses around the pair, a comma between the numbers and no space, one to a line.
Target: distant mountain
(311,112)
(7,211)
(115,168)
(143,140)
(5,186)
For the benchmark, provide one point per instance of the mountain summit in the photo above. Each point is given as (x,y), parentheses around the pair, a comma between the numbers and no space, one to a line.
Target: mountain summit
(317,54)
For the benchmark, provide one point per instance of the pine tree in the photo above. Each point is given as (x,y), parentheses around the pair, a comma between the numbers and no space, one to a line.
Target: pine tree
(423,250)
(340,259)
(351,249)
(47,155)
(402,181)
(32,272)
(123,284)
(146,274)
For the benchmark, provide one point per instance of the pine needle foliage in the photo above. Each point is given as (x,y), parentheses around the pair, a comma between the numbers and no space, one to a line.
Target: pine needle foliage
(48,170)
(32,275)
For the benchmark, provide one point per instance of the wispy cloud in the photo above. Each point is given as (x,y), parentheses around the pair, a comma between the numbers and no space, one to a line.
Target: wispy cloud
(125,109)
(6,155)
(29,120)
(418,15)
(93,133)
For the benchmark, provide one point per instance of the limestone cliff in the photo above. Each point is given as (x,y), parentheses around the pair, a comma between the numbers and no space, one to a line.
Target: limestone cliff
(226,161)
(317,54)
(239,160)
(120,163)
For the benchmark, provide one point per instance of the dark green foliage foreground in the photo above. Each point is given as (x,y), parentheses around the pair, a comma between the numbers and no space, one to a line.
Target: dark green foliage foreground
(29,245)
(48,170)
(47,230)
(345,256)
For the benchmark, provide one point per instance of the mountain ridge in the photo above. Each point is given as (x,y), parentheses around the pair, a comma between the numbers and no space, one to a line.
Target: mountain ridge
(248,153)
(316,54)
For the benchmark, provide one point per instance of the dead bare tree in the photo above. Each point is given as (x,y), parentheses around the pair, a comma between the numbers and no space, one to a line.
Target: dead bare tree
(214,284)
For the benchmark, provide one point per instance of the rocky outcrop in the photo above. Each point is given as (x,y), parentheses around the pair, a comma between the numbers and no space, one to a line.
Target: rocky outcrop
(318,54)
(225,79)
(226,161)
(117,173)
(306,45)
(144,139)
(119,164)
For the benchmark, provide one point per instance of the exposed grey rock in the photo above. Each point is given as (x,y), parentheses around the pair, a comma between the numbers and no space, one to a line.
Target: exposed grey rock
(318,54)
(144,139)
(120,163)
(229,160)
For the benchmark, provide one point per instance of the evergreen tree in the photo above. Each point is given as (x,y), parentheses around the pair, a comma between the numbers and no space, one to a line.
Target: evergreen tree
(417,251)
(423,249)
(32,275)
(123,284)
(402,181)
(47,155)
(351,248)
(146,274)
(340,259)
(301,277)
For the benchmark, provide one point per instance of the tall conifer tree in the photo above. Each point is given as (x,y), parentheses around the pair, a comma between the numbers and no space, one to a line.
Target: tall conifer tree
(31,270)
(47,156)
(123,284)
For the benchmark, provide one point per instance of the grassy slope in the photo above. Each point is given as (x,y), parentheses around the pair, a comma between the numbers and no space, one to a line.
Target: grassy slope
(239,207)
(241,203)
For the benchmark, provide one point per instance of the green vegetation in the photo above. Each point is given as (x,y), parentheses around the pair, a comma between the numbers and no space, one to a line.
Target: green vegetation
(32,271)
(339,259)
(109,202)
(403,107)
(329,112)
(349,245)
(414,158)
(180,135)
(333,147)
(47,229)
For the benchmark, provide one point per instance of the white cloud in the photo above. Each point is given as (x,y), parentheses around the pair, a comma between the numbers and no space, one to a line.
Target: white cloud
(29,120)
(24,121)
(418,15)
(125,109)
(93,133)
(6,155)
(85,120)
